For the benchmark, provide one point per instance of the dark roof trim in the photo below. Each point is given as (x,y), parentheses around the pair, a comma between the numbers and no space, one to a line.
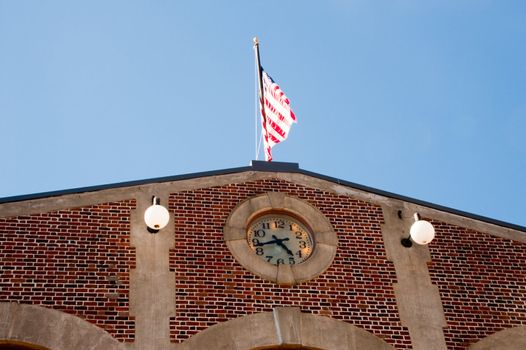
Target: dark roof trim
(280,167)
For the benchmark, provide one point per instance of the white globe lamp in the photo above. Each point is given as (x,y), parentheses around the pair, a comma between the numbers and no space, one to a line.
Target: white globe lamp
(422,232)
(156,216)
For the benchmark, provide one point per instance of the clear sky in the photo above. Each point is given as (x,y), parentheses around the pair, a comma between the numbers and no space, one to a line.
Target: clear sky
(425,99)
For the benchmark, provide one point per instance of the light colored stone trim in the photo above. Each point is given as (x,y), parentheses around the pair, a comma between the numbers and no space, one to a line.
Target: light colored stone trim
(152,284)
(507,339)
(326,240)
(419,303)
(51,329)
(286,327)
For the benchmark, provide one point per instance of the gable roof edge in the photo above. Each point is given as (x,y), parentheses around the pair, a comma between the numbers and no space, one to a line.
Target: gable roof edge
(263,166)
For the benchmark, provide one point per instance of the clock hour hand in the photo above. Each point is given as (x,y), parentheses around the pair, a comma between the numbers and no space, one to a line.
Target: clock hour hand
(282,245)
(279,240)
(259,244)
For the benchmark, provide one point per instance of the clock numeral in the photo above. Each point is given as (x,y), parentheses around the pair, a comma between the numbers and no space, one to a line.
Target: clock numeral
(291,261)
(280,262)
(299,234)
(302,244)
(291,227)
(265,225)
(298,253)
(259,251)
(255,241)
(269,258)
(259,233)
(279,224)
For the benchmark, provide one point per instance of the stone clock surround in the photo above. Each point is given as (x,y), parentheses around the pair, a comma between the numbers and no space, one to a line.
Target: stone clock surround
(325,238)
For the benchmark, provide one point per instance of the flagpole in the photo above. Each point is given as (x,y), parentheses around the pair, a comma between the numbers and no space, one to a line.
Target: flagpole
(260,83)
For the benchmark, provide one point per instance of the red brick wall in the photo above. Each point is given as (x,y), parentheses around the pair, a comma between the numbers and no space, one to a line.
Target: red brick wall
(212,287)
(482,281)
(68,260)
(78,261)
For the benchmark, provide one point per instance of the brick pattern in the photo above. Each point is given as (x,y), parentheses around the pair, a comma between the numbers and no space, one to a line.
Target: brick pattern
(76,261)
(482,281)
(211,287)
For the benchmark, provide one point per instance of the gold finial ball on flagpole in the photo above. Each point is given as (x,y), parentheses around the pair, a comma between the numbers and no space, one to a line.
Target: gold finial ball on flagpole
(256,41)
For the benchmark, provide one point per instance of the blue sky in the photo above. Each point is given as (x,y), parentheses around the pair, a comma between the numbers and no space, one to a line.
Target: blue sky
(426,99)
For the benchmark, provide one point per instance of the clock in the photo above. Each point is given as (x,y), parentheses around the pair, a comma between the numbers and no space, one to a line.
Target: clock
(280,239)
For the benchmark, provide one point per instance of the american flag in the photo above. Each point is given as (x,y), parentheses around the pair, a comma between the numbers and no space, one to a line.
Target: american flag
(276,115)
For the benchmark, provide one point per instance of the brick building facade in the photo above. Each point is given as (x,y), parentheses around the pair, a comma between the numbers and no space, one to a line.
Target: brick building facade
(79,269)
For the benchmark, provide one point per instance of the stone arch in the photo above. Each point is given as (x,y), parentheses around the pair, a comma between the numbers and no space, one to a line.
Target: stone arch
(507,339)
(37,327)
(16,345)
(287,328)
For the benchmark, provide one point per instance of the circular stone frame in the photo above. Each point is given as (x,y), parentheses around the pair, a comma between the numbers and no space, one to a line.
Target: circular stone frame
(325,238)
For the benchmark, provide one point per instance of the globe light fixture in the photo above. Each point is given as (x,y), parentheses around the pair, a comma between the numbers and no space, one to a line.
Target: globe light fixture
(156,216)
(421,232)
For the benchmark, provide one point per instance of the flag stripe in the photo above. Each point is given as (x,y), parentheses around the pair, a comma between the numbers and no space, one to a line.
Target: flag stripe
(278,116)
(274,92)
(275,109)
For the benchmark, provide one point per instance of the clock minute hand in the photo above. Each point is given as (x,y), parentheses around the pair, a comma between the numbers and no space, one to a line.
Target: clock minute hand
(282,245)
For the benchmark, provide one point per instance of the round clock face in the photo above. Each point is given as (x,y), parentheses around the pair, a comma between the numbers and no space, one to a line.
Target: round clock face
(280,239)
